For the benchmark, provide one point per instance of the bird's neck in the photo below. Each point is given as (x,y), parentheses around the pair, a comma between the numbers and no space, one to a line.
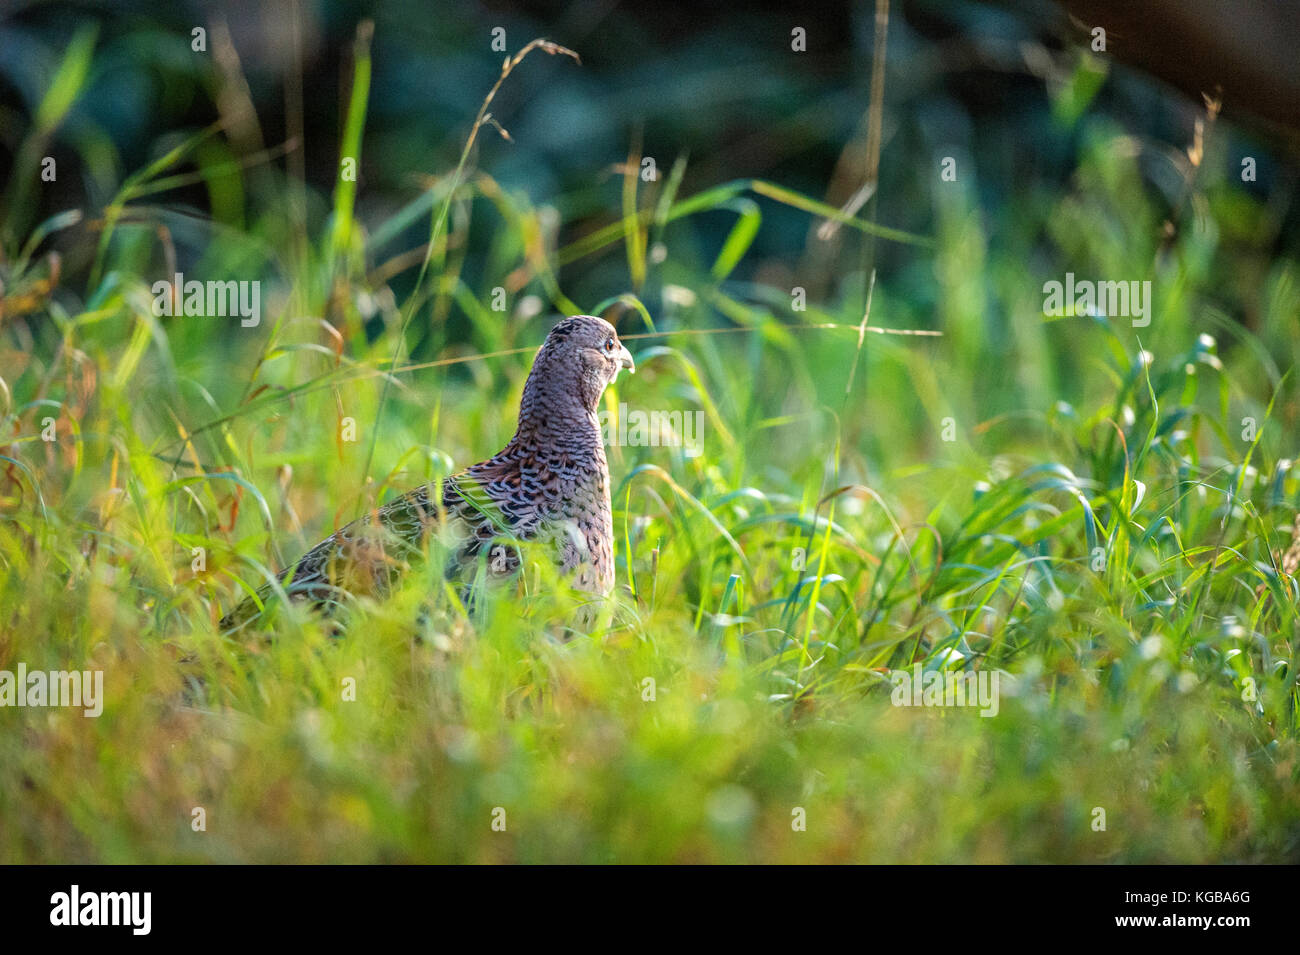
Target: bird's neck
(560,414)
(578,435)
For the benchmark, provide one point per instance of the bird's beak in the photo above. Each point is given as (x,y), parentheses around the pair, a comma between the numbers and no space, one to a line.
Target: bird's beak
(625,359)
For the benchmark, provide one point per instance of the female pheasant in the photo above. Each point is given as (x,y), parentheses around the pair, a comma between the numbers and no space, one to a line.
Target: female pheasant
(550,484)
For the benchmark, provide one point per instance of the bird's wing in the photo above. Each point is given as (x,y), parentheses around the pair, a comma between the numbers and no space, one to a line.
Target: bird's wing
(482,504)
(363,557)
(487,506)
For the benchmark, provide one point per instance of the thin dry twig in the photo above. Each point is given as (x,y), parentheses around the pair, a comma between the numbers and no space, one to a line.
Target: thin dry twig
(863,194)
(483,118)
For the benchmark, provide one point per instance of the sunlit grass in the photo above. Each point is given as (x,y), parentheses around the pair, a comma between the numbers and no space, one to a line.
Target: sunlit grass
(1096,523)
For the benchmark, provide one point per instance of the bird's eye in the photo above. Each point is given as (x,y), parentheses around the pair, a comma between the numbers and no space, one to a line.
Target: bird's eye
(609,344)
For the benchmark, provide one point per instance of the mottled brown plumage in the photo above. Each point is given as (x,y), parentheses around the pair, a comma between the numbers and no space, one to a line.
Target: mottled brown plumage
(549,484)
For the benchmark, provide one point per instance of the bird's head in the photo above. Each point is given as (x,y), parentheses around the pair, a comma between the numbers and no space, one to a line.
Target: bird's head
(582,356)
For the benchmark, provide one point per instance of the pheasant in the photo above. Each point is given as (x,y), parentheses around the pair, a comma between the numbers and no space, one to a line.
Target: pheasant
(549,484)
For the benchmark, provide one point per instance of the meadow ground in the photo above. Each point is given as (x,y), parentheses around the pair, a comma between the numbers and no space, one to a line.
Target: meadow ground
(1097,511)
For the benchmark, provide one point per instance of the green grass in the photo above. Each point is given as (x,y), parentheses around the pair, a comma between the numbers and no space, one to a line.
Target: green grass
(1102,529)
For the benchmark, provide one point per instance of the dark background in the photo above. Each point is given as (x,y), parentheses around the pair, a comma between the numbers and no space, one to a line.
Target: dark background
(708,80)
